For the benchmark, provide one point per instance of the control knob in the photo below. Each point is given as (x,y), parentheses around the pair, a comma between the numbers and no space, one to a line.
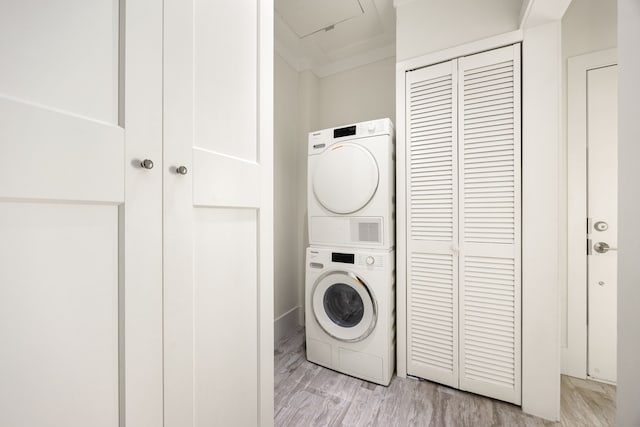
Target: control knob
(370,260)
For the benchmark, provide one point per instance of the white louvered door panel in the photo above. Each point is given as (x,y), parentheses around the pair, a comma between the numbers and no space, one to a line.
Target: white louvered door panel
(490,222)
(432,265)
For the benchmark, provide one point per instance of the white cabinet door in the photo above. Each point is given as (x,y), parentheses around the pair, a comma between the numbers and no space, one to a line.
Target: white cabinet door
(490,222)
(432,218)
(80,291)
(218,219)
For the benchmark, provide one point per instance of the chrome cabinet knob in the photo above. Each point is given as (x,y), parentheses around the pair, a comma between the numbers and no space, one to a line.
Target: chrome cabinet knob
(181,170)
(146,164)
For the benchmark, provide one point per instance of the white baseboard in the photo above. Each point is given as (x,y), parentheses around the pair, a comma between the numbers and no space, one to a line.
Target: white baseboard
(286,324)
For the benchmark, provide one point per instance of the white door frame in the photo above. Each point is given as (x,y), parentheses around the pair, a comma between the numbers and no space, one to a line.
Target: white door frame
(574,356)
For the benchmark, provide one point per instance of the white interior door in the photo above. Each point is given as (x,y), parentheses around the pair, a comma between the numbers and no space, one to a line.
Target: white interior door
(602,184)
(432,222)
(464,221)
(80,298)
(490,223)
(218,224)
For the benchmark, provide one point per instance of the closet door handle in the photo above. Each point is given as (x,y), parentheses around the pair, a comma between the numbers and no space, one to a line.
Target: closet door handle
(182,170)
(146,164)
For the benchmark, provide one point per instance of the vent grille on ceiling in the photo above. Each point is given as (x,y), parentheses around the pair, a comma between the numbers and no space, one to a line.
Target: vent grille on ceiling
(307,17)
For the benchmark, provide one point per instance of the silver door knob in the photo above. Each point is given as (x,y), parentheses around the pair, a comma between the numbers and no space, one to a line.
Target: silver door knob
(181,170)
(603,248)
(146,164)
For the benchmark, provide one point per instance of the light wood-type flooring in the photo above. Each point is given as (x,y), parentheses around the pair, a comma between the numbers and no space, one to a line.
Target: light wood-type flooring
(309,395)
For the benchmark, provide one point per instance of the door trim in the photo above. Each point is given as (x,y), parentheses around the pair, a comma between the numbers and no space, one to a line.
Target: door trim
(265,219)
(574,355)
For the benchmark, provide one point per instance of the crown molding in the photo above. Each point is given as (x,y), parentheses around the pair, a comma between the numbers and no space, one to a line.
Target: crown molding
(397,3)
(539,12)
(323,70)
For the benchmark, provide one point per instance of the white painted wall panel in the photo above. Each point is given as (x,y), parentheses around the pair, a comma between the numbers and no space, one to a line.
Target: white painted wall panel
(63,55)
(226,61)
(361,94)
(58,315)
(225,317)
(628,413)
(425,26)
(288,147)
(541,73)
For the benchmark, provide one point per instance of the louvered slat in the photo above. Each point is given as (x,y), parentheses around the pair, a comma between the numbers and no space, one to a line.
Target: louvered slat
(431,155)
(432,186)
(489,164)
(489,302)
(432,334)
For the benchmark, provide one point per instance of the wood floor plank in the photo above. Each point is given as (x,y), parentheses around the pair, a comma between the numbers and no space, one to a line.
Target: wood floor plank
(310,395)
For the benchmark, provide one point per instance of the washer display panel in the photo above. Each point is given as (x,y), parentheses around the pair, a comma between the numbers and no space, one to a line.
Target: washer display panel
(344,306)
(345,178)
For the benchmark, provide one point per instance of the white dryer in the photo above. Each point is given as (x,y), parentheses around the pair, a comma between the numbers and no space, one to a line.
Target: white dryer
(350,312)
(351,190)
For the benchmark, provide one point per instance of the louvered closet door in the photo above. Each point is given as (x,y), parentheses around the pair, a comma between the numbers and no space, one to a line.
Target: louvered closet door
(490,222)
(432,288)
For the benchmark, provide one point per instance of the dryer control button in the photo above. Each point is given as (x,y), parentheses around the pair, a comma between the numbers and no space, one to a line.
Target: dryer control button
(370,260)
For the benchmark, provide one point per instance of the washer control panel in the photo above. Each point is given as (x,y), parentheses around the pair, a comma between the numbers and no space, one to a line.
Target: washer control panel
(319,258)
(369,260)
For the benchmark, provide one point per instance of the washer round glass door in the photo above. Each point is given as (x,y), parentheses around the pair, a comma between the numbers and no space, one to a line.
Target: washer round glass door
(344,306)
(345,178)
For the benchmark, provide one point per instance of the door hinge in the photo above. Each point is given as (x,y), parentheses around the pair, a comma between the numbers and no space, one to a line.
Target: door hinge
(589,225)
(589,247)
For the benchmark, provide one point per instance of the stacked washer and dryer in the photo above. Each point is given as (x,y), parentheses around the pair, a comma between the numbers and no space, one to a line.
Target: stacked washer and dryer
(350,264)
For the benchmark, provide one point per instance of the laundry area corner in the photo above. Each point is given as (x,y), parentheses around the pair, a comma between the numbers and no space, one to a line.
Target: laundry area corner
(411,276)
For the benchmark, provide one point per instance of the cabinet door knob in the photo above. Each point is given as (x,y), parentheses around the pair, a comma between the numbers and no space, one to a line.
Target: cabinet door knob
(181,170)
(146,164)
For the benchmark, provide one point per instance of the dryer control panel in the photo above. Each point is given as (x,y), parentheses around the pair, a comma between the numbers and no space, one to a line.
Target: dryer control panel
(320,140)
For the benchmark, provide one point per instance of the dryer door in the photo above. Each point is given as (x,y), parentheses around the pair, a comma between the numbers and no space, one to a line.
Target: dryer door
(344,306)
(345,178)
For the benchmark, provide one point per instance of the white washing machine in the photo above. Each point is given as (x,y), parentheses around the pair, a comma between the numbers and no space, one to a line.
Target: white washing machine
(350,311)
(351,186)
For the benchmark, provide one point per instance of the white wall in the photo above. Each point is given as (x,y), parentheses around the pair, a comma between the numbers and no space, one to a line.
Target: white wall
(360,94)
(424,26)
(286,148)
(628,413)
(309,106)
(541,123)
(587,26)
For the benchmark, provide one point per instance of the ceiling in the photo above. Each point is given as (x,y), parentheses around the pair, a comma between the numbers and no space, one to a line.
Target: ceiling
(328,36)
